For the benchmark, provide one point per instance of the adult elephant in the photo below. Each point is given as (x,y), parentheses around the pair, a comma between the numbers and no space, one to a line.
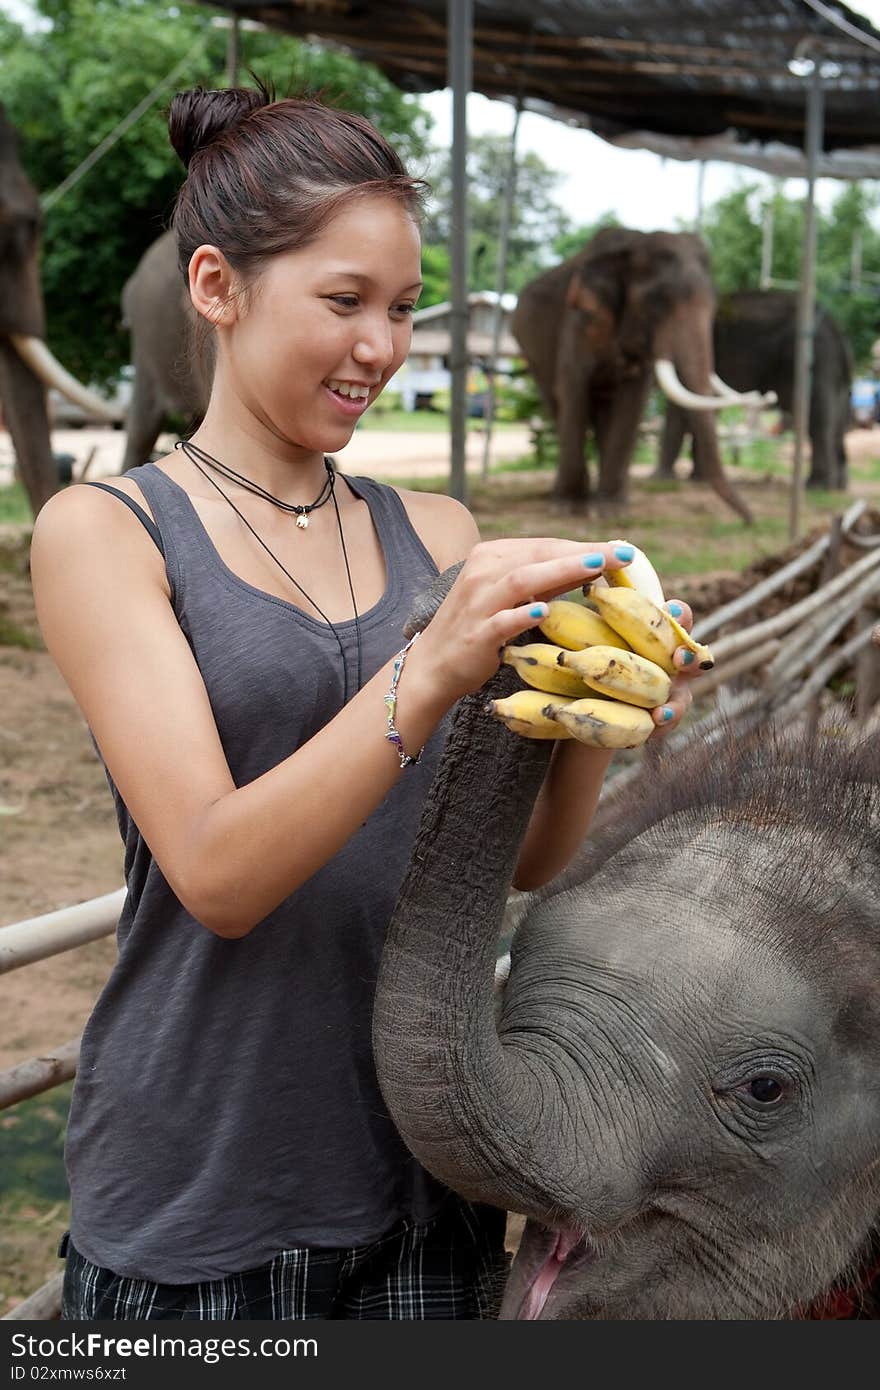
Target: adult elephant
(680,1092)
(27,366)
(754,340)
(171,362)
(594,329)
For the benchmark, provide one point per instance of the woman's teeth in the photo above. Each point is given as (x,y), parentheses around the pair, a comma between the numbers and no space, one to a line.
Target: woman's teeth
(346,388)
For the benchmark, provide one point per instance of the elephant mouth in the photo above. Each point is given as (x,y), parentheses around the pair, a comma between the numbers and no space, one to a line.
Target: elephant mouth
(568,1249)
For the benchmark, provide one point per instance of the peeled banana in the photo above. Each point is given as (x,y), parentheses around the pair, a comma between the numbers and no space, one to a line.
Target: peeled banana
(641,575)
(605,723)
(531,714)
(573,626)
(539,664)
(622,675)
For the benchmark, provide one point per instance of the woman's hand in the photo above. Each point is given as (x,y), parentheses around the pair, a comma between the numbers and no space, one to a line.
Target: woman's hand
(503,590)
(668,716)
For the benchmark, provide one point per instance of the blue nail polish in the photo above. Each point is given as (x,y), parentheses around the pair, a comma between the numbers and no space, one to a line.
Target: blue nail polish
(593,562)
(624,552)
(689,658)
(675,609)
(539,611)
(667,714)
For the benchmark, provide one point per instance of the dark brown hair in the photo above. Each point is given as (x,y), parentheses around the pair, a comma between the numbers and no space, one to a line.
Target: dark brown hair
(265,176)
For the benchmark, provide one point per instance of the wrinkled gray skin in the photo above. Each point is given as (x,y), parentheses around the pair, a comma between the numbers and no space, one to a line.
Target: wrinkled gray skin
(22,394)
(754,342)
(591,330)
(170,350)
(683,1084)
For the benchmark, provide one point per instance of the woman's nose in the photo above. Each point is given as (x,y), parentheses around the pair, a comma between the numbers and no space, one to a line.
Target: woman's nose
(376,346)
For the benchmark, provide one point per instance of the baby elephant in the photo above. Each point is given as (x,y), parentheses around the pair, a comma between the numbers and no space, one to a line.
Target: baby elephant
(681,1092)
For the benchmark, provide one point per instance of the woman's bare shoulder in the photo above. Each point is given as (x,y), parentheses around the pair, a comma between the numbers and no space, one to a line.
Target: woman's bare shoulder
(443,524)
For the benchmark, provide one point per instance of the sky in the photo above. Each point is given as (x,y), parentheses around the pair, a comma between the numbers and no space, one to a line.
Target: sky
(642,189)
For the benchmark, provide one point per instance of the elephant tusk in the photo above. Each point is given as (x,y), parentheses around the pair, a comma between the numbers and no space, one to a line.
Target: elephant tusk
(668,381)
(34,353)
(741,397)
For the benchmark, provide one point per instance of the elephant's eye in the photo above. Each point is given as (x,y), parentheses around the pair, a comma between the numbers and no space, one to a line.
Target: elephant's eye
(767,1090)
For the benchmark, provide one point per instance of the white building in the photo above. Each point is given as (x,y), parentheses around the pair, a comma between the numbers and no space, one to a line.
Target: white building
(426,369)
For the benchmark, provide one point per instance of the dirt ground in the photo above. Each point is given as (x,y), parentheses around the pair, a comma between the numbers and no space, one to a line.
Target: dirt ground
(59,843)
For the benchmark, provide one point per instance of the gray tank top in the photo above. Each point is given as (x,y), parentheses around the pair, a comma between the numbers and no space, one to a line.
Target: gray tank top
(226,1106)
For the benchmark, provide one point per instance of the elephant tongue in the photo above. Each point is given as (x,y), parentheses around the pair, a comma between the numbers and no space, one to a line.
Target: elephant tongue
(547,1275)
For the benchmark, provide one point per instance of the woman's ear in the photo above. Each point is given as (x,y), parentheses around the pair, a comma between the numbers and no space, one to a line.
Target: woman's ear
(213,286)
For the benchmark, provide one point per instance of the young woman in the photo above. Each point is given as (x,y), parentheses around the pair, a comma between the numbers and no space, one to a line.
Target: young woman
(230,634)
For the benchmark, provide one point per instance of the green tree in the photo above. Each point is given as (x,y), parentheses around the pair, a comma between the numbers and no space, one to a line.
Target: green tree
(733,230)
(66,88)
(568,243)
(536,219)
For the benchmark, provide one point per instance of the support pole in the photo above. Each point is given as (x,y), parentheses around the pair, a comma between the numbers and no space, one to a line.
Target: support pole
(460,66)
(767,243)
(500,285)
(233,49)
(806,315)
(701,184)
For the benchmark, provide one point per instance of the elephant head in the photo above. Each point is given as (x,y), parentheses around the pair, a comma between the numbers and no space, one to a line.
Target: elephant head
(595,329)
(680,1091)
(26,365)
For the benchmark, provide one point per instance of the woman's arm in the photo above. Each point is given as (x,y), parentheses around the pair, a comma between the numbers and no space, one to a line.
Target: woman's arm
(231,855)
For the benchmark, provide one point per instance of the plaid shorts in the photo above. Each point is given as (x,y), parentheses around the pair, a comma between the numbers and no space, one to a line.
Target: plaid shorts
(453,1266)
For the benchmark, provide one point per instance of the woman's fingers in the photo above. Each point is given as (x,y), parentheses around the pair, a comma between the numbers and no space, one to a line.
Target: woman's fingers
(668,716)
(545,579)
(681,612)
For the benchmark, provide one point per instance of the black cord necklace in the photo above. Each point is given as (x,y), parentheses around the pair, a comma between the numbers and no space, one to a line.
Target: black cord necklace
(301,510)
(192,450)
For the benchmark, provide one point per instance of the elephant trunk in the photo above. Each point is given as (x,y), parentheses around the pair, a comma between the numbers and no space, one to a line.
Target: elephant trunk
(464,1104)
(24,410)
(695,366)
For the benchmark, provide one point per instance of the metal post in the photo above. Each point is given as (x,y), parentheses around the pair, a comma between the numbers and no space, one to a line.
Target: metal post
(701,180)
(233,50)
(500,283)
(806,315)
(460,67)
(767,244)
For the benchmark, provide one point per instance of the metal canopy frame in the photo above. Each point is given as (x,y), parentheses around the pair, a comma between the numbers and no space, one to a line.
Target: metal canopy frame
(691,79)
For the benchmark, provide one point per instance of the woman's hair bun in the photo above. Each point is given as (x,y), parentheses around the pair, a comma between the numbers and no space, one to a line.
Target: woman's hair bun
(198,117)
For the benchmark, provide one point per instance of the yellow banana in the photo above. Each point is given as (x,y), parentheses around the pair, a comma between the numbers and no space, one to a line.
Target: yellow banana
(641,575)
(539,664)
(606,723)
(647,629)
(622,675)
(528,713)
(573,626)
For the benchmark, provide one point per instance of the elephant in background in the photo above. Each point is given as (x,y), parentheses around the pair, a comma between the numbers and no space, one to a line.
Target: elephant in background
(755,337)
(26,365)
(172,369)
(680,1092)
(594,329)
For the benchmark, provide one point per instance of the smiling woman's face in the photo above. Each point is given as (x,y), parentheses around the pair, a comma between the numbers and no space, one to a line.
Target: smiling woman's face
(336,314)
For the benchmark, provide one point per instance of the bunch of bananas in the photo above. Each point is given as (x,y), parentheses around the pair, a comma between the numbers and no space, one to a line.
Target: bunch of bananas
(606,664)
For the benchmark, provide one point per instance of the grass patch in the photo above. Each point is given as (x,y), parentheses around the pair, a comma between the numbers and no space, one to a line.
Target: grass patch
(14,505)
(11,635)
(34,1198)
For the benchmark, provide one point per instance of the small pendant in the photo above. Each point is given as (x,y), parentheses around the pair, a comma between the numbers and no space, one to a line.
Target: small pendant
(302,520)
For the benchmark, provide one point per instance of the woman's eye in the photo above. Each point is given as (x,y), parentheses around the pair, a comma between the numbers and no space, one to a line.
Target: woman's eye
(348,301)
(404,308)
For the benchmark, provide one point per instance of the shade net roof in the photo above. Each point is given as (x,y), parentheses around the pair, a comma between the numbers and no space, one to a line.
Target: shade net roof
(694,71)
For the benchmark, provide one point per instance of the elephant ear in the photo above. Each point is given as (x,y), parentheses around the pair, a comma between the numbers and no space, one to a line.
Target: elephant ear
(598,316)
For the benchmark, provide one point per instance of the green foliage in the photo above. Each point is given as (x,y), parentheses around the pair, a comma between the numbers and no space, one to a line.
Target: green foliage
(575,239)
(536,219)
(436,272)
(66,88)
(733,230)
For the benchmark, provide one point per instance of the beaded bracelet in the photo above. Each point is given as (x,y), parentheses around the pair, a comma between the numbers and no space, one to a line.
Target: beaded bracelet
(406,759)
